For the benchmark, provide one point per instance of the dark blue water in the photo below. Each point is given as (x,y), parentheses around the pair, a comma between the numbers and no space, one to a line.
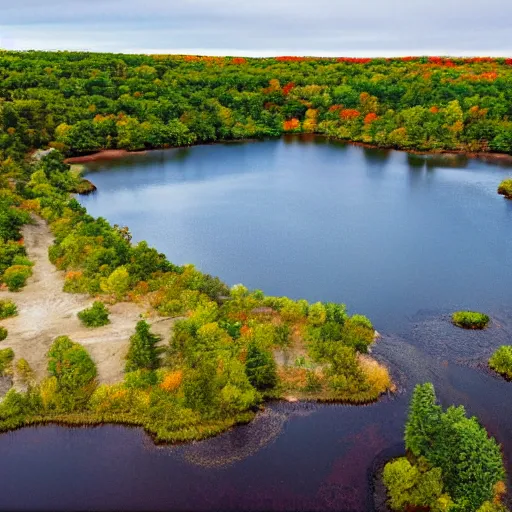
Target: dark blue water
(385,232)
(402,238)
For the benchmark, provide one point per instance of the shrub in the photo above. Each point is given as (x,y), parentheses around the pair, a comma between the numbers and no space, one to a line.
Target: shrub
(7,309)
(74,370)
(11,253)
(501,361)
(470,319)
(505,188)
(21,259)
(95,316)
(24,372)
(16,276)
(361,320)
(408,486)
(3,333)
(140,379)
(6,357)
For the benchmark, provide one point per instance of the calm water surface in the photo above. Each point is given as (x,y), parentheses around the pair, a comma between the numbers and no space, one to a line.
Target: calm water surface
(404,239)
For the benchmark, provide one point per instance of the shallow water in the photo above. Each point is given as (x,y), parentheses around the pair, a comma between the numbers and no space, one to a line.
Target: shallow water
(404,239)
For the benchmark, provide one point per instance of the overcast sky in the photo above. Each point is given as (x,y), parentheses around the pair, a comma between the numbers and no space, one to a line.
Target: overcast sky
(262,27)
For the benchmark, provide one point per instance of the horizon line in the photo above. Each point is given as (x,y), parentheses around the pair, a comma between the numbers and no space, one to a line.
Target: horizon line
(261,57)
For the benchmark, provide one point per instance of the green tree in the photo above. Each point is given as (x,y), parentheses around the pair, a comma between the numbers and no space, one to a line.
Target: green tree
(423,420)
(260,367)
(410,486)
(74,370)
(117,283)
(143,353)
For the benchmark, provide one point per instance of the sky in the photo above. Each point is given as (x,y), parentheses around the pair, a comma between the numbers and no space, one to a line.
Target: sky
(261,28)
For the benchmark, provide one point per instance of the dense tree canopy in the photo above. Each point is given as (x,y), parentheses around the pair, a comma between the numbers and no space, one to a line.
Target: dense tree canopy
(82,102)
(455,464)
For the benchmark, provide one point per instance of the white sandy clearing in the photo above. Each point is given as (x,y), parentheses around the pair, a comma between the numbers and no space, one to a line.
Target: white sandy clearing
(45,312)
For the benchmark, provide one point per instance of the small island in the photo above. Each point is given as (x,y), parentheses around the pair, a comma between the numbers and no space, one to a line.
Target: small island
(451,462)
(470,319)
(505,188)
(501,361)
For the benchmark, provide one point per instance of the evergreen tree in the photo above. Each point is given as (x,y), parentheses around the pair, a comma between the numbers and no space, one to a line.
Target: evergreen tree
(143,353)
(260,367)
(423,420)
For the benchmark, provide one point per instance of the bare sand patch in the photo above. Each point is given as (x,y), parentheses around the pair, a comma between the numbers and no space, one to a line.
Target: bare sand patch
(45,312)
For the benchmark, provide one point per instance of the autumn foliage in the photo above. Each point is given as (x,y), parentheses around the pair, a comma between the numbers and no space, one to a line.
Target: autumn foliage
(349,113)
(291,125)
(172,381)
(370,118)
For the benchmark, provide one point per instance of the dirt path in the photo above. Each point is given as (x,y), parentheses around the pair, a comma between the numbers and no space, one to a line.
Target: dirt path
(45,312)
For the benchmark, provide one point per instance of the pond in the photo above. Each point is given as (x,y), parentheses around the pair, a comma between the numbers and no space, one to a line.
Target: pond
(402,238)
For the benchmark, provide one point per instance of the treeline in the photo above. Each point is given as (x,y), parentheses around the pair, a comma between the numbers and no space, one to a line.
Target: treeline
(219,364)
(83,102)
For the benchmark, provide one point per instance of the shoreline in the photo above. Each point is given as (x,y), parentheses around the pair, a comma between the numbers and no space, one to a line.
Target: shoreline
(113,154)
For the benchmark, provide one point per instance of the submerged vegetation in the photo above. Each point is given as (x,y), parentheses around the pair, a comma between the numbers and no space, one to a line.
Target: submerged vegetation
(451,463)
(501,361)
(470,319)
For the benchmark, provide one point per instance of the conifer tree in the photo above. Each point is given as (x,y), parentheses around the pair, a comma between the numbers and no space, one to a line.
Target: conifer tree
(142,353)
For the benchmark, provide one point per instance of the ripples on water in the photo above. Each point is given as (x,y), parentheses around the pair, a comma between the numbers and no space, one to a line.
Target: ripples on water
(397,232)
(300,456)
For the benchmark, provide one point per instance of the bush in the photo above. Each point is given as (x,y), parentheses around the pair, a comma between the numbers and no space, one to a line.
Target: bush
(361,320)
(21,259)
(16,276)
(505,188)
(6,357)
(501,361)
(7,309)
(95,316)
(11,253)
(470,319)
(408,486)
(25,372)
(140,379)
(74,370)
(3,333)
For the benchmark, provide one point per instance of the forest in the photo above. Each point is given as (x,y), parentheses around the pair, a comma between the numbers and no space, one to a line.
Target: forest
(84,102)
(219,365)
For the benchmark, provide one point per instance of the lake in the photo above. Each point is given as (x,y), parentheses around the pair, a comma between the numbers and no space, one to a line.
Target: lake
(404,239)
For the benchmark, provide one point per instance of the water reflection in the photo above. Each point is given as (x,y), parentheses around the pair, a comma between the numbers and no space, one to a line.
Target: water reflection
(314,219)
(322,220)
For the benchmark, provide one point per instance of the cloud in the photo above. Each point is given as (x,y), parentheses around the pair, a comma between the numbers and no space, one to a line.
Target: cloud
(266,27)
